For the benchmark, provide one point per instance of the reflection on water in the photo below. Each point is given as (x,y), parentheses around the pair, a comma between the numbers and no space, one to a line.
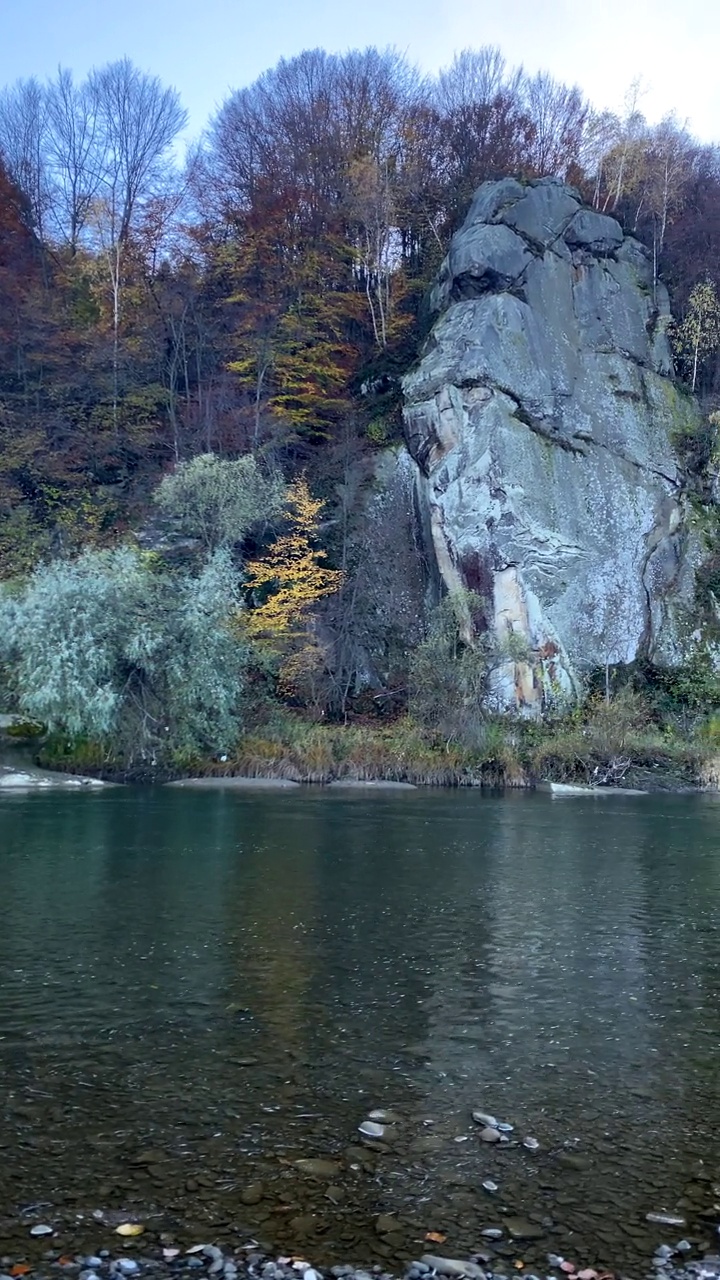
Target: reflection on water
(199,989)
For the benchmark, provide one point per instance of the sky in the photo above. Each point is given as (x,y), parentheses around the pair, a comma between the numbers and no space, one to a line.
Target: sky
(206,48)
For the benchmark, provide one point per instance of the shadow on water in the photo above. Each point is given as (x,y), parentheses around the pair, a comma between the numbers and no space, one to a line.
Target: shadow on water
(200,989)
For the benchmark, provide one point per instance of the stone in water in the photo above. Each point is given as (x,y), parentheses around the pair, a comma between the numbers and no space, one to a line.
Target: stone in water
(489,1135)
(41,1230)
(369,1129)
(480,1117)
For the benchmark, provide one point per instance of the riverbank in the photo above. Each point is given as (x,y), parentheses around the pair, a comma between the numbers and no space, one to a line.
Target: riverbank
(251,1262)
(595,750)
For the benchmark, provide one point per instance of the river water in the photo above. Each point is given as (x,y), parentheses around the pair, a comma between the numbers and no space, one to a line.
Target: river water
(201,988)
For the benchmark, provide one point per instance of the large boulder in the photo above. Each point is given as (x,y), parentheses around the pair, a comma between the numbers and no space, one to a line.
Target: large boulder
(541,417)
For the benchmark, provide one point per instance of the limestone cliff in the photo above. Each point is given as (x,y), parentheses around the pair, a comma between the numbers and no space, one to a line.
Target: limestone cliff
(541,418)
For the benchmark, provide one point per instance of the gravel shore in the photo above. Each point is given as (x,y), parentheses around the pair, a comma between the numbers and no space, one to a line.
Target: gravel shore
(250,1263)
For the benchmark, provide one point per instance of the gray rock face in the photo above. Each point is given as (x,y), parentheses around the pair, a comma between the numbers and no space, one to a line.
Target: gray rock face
(540,417)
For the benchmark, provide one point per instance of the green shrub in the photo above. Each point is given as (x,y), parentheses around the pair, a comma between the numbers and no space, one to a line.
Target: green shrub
(107,648)
(217,500)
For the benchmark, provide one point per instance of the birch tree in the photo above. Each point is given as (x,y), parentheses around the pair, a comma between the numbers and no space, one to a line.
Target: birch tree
(699,334)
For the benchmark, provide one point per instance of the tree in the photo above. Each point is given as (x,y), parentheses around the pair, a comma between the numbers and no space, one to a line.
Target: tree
(77,153)
(110,649)
(477,129)
(557,116)
(292,576)
(139,120)
(698,336)
(217,500)
(371,208)
(23,142)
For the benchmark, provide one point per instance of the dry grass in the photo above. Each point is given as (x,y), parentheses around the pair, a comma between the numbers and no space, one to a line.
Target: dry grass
(616,744)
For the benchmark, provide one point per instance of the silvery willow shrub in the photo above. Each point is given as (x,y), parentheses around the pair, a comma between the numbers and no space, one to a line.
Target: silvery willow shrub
(217,500)
(108,647)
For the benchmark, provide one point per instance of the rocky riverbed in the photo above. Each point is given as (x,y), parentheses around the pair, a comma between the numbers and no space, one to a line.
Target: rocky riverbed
(48,1240)
(250,1261)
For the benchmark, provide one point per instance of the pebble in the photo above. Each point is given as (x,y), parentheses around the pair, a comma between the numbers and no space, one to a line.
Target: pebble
(454,1267)
(488,1134)
(531,1144)
(665,1219)
(41,1230)
(369,1129)
(256,1263)
(481,1117)
(489,1185)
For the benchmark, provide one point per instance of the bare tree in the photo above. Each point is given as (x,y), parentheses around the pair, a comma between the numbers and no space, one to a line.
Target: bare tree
(481,128)
(558,115)
(301,125)
(600,137)
(76,152)
(23,141)
(370,207)
(475,77)
(626,157)
(671,153)
(140,120)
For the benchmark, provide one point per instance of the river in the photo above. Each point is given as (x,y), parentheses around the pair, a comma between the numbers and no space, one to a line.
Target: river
(201,988)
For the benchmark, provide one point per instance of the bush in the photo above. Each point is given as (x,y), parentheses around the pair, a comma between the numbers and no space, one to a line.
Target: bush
(218,501)
(106,647)
(450,679)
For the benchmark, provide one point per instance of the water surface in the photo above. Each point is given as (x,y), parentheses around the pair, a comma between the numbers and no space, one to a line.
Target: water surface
(199,989)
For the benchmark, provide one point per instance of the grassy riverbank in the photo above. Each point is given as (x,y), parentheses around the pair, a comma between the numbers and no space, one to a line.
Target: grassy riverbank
(610,744)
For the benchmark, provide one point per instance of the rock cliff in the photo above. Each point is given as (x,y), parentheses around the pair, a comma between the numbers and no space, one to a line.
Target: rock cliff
(541,418)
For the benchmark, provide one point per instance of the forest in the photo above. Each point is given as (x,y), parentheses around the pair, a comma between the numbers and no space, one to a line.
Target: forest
(199,375)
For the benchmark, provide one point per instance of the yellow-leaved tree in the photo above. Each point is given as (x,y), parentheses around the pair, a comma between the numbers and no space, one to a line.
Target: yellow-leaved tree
(289,580)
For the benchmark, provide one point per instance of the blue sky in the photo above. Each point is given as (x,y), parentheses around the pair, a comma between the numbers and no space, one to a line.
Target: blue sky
(207,47)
